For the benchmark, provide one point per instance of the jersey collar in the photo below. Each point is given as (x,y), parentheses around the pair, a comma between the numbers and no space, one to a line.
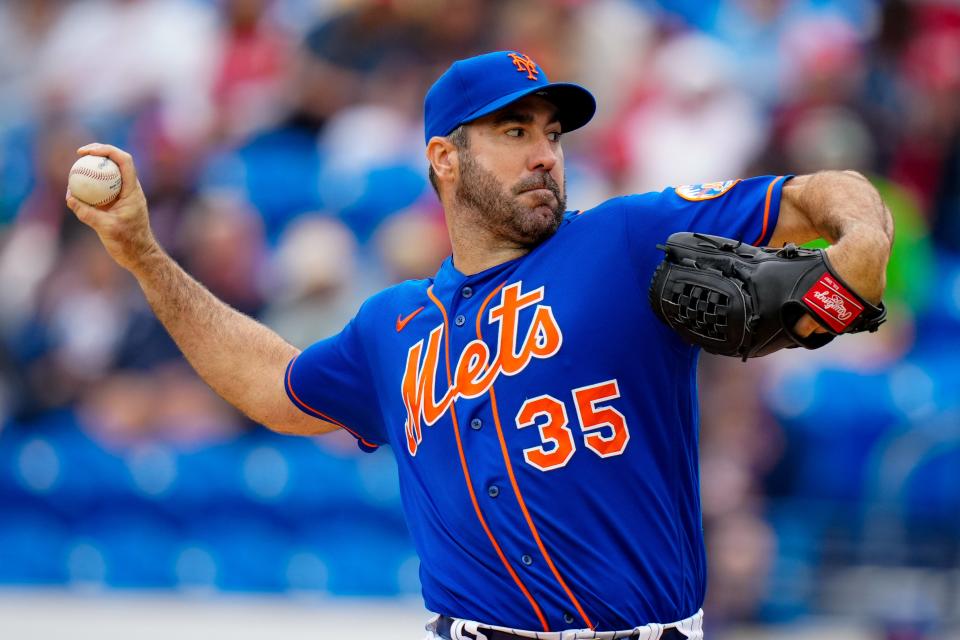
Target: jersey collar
(449,279)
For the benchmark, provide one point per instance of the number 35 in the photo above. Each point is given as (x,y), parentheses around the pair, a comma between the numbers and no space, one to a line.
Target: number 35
(604,428)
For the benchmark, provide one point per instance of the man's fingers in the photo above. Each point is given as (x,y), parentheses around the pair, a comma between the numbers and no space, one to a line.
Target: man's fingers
(807,325)
(128,172)
(86,213)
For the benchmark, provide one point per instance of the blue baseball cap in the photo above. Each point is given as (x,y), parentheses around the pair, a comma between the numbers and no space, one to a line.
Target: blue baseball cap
(478,86)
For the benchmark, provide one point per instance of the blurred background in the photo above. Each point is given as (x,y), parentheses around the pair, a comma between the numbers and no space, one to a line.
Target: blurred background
(280,146)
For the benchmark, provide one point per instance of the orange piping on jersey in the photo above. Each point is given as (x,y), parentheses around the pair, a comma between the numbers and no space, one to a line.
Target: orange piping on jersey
(766,209)
(466,473)
(320,414)
(516,488)
(476,369)
(483,306)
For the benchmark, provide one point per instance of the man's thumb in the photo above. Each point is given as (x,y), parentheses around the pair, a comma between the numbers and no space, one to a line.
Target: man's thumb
(807,325)
(86,213)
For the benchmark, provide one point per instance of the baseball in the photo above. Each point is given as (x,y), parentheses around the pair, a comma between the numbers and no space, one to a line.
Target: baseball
(94,180)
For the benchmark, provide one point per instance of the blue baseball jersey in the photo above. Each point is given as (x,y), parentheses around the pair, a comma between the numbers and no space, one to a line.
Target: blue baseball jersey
(544,420)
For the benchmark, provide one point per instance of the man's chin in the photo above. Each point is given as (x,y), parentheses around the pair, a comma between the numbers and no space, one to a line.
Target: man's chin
(540,223)
(543,211)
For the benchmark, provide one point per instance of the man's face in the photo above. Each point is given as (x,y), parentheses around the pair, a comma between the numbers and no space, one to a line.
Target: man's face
(511,172)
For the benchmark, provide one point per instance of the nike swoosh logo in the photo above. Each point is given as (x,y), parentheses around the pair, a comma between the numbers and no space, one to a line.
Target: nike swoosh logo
(402,322)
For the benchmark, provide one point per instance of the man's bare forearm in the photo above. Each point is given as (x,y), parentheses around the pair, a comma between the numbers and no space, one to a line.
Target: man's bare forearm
(843,208)
(239,358)
(242,360)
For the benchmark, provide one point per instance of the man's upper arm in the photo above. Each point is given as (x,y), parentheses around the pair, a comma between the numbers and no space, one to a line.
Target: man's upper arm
(330,381)
(805,214)
(793,225)
(289,419)
(746,210)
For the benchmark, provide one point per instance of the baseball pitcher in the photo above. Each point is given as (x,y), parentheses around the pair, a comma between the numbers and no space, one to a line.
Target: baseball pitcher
(539,391)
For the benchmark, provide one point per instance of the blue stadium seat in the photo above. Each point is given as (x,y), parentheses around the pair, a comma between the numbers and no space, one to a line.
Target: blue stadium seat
(830,437)
(280,170)
(134,548)
(249,552)
(383,192)
(317,478)
(364,552)
(932,491)
(53,461)
(32,547)
(204,478)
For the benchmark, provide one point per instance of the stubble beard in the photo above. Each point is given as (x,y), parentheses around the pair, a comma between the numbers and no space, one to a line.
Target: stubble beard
(500,211)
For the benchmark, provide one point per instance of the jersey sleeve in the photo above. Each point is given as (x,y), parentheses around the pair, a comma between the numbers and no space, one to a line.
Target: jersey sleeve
(745,210)
(331,380)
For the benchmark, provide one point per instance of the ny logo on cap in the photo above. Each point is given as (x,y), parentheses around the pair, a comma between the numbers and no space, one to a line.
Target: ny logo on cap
(524,63)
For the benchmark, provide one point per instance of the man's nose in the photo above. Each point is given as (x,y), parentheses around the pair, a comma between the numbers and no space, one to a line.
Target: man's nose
(544,155)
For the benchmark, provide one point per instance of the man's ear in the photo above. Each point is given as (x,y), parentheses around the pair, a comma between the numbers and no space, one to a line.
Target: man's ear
(442,156)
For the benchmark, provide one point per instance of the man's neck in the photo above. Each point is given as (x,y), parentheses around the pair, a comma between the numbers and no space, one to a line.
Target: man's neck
(471,262)
(475,249)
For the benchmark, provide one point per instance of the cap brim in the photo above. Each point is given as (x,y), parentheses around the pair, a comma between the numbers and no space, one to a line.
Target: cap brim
(575,104)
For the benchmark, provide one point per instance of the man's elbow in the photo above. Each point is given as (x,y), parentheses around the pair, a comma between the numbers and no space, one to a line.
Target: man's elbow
(856,174)
(886,216)
(297,423)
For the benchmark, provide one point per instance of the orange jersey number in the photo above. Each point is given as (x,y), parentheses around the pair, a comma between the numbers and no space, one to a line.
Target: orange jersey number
(553,430)
(604,428)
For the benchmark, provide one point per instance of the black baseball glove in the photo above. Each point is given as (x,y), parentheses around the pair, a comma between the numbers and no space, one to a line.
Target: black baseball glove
(735,299)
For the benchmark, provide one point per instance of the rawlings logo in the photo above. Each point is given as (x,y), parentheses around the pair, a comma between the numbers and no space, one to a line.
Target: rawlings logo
(833,302)
(476,369)
(524,63)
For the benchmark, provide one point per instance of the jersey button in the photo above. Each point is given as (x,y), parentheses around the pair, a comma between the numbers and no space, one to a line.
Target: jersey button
(467,292)
(568,618)
(476,423)
(526,559)
(460,320)
(493,491)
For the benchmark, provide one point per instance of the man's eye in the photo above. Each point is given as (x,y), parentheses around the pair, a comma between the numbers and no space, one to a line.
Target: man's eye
(515,133)
(554,136)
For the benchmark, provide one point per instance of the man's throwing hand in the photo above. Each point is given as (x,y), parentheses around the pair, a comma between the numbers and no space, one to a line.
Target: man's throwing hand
(122,225)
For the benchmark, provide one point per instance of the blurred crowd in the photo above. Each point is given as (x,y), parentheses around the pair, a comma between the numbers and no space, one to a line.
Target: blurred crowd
(279,143)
